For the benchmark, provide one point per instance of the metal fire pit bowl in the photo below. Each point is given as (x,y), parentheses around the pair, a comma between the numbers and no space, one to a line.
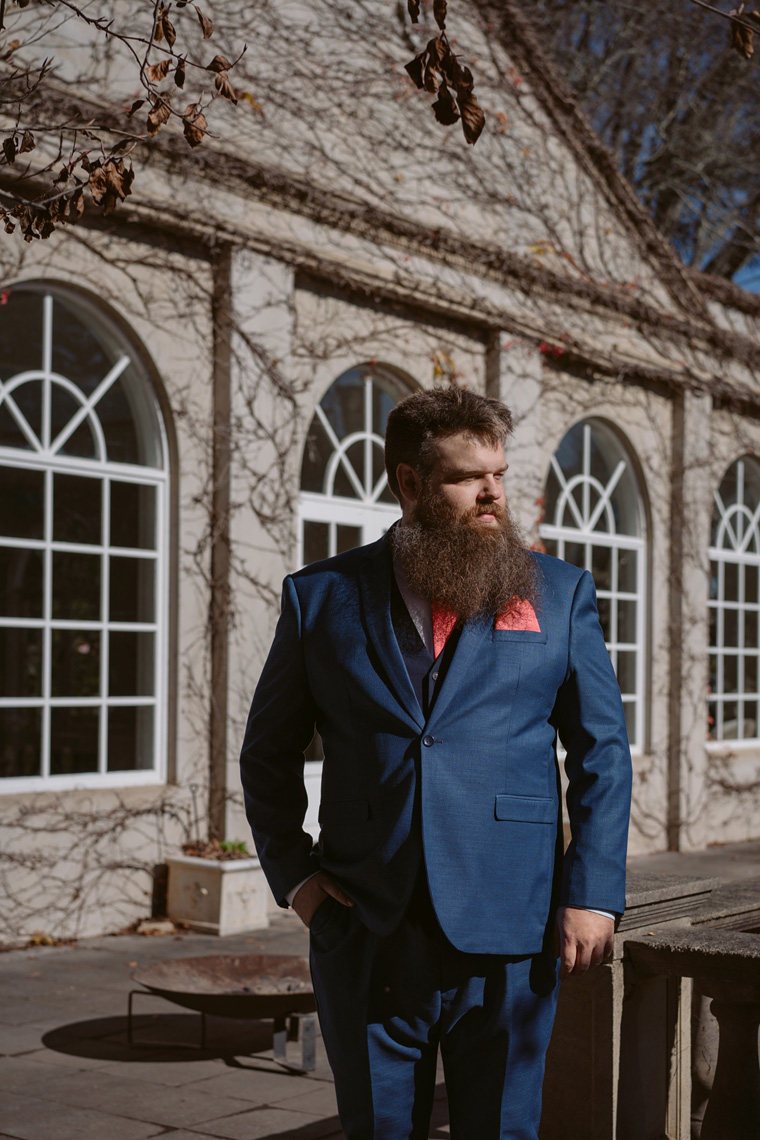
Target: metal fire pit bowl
(247,986)
(251,986)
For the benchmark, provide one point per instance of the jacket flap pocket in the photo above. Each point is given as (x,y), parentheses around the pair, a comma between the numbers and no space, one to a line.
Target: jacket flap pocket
(526,809)
(344,811)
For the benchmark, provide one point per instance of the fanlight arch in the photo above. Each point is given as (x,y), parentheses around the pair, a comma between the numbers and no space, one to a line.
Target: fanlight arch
(345,500)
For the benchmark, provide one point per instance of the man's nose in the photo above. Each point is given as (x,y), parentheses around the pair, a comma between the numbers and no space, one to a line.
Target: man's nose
(491,488)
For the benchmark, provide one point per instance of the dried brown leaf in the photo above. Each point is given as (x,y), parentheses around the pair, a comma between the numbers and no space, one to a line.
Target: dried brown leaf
(473,119)
(224,87)
(158,71)
(179,74)
(158,115)
(415,69)
(219,63)
(27,142)
(9,149)
(194,124)
(208,27)
(167,27)
(740,36)
(10,49)
(413,7)
(98,184)
(432,78)
(439,13)
(135,107)
(445,107)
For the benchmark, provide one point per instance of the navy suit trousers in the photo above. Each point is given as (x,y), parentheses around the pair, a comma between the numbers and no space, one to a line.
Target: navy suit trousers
(386,1005)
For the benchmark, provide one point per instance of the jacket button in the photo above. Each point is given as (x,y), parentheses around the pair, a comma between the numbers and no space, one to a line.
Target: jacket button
(428,741)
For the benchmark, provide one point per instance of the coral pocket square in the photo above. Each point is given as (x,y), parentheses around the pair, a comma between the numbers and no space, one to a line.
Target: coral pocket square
(520,615)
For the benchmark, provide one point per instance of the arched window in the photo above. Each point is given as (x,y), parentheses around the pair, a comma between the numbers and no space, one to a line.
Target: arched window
(594,519)
(734,604)
(82,563)
(345,500)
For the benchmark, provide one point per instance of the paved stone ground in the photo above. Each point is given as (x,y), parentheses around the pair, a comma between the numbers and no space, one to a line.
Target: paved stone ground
(67,1071)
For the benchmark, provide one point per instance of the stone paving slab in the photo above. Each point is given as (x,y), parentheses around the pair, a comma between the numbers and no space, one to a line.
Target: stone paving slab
(256,1085)
(267,1122)
(318,1100)
(27,1119)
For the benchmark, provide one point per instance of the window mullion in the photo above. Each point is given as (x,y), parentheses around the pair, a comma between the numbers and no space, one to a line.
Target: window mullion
(47,635)
(105,593)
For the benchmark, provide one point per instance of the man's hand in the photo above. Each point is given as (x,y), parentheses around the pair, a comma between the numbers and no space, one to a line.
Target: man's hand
(314,891)
(585,939)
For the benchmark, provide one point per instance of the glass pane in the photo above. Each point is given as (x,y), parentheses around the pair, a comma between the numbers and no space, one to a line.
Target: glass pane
(22,503)
(130,739)
(750,585)
(342,486)
(626,629)
(316,453)
(730,722)
(11,434)
(130,664)
(627,563)
(78,353)
(730,582)
(316,541)
(730,674)
(383,404)
(713,627)
(133,516)
(750,674)
(73,741)
(550,546)
(713,582)
(77,509)
(551,493)
(348,537)
(28,399)
(81,442)
(750,629)
(20,582)
(75,663)
(575,554)
(751,473)
(570,451)
(343,404)
(730,628)
(712,717)
(355,456)
(603,522)
(20,662)
(20,332)
(378,463)
(601,566)
(63,407)
(626,672)
(749,724)
(603,605)
(118,423)
(20,742)
(76,586)
(629,709)
(387,496)
(712,669)
(132,589)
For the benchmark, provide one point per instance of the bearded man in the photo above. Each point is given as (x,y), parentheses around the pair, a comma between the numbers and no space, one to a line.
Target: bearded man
(441,665)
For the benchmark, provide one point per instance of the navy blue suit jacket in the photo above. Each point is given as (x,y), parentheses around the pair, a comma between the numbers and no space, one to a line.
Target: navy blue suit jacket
(474,790)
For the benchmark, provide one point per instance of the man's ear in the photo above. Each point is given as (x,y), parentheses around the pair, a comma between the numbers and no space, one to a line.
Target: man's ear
(409,484)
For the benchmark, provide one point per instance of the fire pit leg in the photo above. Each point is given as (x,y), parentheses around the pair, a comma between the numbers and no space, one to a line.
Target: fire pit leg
(290,1028)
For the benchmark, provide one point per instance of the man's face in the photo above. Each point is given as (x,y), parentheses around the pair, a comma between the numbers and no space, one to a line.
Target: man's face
(465,483)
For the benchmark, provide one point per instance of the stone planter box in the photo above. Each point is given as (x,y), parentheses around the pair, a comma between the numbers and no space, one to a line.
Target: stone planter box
(217,896)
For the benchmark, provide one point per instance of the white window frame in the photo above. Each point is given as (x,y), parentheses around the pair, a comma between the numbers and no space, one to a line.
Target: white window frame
(584,533)
(739,527)
(45,456)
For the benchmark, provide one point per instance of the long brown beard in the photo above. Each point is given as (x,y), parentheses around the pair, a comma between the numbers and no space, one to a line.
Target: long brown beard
(468,568)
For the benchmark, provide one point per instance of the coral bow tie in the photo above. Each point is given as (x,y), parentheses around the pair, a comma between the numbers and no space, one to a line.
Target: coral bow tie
(518,614)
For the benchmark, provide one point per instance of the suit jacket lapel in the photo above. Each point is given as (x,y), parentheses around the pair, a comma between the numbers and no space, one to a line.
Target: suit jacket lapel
(375,590)
(471,644)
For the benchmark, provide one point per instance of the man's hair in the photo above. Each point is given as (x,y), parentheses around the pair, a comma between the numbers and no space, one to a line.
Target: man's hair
(420,420)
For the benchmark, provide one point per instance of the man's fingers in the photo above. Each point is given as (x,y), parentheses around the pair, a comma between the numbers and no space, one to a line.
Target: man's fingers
(567,958)
(330,887)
